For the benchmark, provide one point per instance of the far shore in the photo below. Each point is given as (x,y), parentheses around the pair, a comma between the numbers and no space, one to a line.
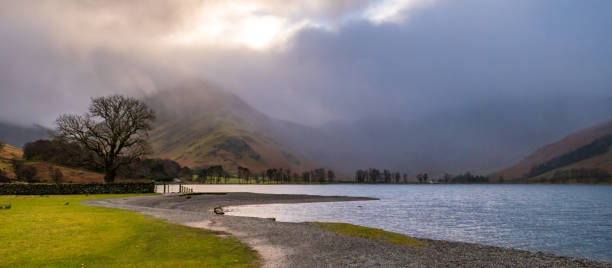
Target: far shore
(284,244)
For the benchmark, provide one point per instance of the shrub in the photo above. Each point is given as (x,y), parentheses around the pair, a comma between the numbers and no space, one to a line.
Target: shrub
(153,169)
(24,172)
(59,152)
(3,177)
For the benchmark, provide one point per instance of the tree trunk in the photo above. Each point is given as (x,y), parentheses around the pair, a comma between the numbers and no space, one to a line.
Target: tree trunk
(109,175)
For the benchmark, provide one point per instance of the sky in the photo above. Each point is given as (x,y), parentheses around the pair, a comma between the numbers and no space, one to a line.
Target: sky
(311,62)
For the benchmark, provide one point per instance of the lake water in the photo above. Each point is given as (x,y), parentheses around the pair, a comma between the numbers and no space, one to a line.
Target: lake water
(570,220)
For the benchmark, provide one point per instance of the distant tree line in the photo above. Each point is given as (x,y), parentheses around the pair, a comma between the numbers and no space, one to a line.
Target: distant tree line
(216,174)
(278,175)
(153,169)
(373,175)
(245,174)
(597,147)
(212,174)
(469,178)
(319,175)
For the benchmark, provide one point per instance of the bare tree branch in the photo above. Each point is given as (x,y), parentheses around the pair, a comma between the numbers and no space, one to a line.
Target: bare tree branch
(115,129)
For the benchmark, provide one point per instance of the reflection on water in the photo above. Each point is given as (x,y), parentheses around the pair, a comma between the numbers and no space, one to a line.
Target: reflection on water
(573,220)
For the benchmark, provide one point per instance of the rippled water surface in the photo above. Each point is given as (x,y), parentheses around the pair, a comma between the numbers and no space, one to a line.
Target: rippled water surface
(571,220)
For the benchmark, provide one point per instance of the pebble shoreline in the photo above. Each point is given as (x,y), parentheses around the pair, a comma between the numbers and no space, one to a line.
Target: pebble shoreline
(284,244)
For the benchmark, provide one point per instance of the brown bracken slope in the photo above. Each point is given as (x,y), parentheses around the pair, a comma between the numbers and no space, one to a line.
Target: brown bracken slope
(71,175)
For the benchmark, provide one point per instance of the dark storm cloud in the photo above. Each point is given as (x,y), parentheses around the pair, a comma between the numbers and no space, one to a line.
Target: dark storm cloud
(441,57)
(55,55)
(451,55)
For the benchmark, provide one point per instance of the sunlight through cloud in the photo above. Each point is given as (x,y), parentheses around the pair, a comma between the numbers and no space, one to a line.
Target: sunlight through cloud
(392,10)
(237,25)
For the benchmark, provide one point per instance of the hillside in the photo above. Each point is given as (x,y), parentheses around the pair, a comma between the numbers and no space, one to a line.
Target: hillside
(198,125)
(603,162)
(559,152)
(9,152)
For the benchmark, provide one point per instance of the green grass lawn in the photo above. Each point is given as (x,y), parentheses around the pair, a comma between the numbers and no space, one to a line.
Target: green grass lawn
(56,231)
(370,233)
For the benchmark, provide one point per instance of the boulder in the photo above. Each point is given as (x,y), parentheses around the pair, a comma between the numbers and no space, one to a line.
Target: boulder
(219,211)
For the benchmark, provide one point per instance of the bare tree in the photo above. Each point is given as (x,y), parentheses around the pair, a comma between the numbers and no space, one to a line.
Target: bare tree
(1,145)
(115,129)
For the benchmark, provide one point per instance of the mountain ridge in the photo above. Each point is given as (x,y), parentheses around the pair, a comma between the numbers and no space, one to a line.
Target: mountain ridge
(17,135)
(198,125)
(564,146)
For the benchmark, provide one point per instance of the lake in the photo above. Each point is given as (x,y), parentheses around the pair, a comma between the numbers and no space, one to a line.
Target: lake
(569,220)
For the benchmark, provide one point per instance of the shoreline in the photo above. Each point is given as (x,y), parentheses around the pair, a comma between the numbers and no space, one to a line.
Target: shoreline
(284,244)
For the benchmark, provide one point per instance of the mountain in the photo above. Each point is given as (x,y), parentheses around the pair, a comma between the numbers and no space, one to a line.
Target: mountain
(588,148)
(19,135)
(480,138)
(198,125)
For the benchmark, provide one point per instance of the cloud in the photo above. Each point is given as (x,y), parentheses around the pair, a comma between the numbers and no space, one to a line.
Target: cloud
(393,10)
(305,61)
(133,24)
(73,50)
(447,56)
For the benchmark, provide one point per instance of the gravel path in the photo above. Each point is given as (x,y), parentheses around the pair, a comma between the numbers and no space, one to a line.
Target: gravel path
(284,244)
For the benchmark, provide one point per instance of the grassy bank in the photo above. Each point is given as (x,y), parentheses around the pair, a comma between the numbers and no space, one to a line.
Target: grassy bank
(56,231)
(369,233)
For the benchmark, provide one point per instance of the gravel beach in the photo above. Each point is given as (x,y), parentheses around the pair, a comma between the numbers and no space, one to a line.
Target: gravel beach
(283,244)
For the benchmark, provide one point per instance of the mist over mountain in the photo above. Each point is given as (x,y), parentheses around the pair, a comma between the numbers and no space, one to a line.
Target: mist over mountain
(414,86)
(17,135)
(199,125)
(480,138)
